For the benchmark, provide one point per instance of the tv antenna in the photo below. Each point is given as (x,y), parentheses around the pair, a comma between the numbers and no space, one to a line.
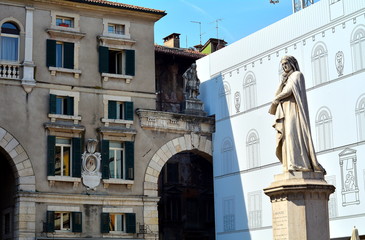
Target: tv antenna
(200,30)
(217,25)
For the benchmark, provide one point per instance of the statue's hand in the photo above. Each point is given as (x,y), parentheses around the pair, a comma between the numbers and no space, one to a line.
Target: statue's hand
(275,102)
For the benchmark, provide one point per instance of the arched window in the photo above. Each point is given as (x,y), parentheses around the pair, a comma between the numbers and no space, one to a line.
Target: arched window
(249,91)
(224,100)
(9,42)
(319,64)
(324,129)
(252,149)
(360,118)
(358,48)
(227,154)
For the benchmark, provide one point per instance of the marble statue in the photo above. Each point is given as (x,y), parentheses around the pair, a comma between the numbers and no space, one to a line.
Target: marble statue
(191,82)
(294,145)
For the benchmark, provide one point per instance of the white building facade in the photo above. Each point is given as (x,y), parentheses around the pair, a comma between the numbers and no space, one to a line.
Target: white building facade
(238,85)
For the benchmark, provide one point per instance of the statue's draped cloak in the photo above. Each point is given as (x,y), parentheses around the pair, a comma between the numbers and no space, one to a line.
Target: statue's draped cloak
(294,145)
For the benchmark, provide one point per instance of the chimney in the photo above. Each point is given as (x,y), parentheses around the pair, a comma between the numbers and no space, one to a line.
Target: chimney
(172,40)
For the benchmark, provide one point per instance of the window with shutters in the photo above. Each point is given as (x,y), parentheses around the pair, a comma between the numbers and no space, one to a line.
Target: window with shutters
(117,223)
(62,48)
(64,158)
(117,162)
(116,52)
(116,63)
(63,105)
(118,111)
(63,221)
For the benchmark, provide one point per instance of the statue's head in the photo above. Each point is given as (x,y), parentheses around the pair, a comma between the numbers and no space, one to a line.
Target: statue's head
(292,61)
(193,65)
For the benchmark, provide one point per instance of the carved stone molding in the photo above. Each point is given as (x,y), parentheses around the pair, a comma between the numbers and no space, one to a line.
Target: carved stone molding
(175,122)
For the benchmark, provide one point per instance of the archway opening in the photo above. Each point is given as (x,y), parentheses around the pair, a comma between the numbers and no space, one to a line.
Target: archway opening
(186,206)
(7,199)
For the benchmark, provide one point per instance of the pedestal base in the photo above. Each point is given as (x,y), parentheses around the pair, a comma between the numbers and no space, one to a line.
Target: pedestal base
(300,206)
(194,107)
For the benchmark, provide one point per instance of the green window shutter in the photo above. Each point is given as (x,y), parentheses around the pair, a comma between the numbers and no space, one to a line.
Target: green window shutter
(112,109)
(103,59)
(70,106)
(52,104)
(105,159)
(128,111)
(51,53)
(76,157)
(50,221)
(130,62)
(51,151)
(76,221)
(104,223)
(68,55)
(130,222)
(129,160)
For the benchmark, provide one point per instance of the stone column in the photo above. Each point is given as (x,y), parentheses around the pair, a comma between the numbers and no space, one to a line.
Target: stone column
(28,81)
(300,206)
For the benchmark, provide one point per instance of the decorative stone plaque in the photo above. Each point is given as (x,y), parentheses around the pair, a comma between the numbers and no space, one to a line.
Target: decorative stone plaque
(91,165)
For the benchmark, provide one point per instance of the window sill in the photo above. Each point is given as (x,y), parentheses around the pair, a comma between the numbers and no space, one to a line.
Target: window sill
(55,117)
(114,181)
(54,70)
(65,32)
(53,179)
(106,77)
(116,40)
(127,123)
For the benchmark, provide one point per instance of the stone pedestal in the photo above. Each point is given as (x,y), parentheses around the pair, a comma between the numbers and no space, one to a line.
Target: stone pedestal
(300,206)
(193,107)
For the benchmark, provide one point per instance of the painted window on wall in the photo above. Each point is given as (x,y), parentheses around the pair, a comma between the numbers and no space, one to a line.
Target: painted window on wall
(224,100)
(227,154)
(332,202)
(324,129)
(358,49)
(320,64)
(360,118)
(252,149)
(350,187)
(254,209)
(249,91)
(229,223)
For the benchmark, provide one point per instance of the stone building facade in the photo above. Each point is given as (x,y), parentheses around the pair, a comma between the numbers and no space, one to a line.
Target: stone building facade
(72,72)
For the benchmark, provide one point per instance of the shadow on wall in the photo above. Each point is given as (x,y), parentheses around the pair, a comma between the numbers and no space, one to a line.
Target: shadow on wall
(231,217)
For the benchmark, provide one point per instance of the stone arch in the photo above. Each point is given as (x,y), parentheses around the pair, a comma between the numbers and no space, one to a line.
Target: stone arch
(23,169)
(187,142)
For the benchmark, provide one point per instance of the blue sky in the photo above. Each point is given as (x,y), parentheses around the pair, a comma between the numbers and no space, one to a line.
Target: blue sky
(236,18)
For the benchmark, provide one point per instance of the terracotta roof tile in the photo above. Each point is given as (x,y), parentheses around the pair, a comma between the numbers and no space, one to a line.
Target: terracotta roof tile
(121,5)
(184,52)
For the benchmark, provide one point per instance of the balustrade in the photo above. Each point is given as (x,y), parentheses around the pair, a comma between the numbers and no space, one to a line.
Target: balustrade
(9,70)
